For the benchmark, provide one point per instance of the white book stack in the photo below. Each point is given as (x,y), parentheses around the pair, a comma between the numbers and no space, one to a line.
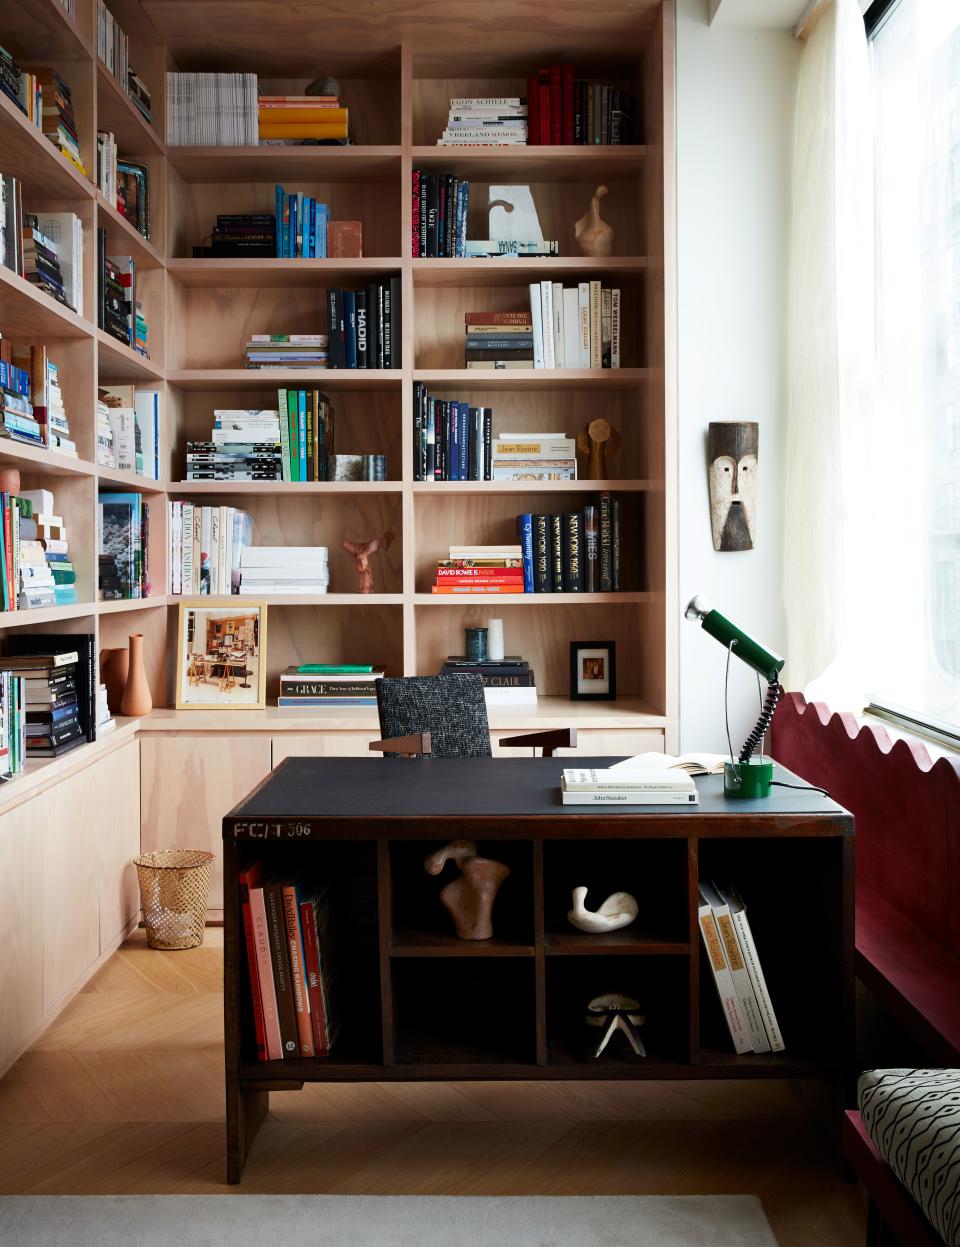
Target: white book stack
(105,453)
(608,787)
(105,721)
(288,570)
(534,457)
(575,326)
(496,121)
(212,110)
(58,427)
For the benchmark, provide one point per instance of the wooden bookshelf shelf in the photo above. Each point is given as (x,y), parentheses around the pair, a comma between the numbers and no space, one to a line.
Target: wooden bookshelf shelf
(201,380)
(268,164)
(129,480)
(36,314)
(616,943)
(530,487)
(47,615)
(212,273)
(302,599)
(37,458)
(488,602)
(534,378)
(40,31)
(27,152)
(117,112)
(120,363)
(293,488)
(428,944)
(123,239)
(499,271)
(581,164)
(124,606)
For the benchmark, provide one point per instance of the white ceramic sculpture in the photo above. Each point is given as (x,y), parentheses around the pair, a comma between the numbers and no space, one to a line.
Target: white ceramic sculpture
(615,1012)
(618,910)
(513,215)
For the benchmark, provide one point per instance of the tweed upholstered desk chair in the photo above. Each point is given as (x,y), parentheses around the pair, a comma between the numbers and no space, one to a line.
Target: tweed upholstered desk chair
(445,716)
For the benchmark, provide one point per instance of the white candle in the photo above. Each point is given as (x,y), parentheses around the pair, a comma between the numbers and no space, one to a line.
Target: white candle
(495,638)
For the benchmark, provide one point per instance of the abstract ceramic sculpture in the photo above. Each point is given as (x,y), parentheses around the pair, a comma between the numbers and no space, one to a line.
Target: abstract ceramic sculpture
(618,910)
(594,236)
(596,440)
(469,898)
(136,700)
(361,551)
(616,1012)
(114,669)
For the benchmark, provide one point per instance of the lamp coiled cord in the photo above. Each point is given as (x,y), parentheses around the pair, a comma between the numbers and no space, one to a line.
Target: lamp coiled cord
(763,723)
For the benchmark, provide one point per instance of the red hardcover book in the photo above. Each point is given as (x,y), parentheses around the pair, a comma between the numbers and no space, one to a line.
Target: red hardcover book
(543,91)
(311,961)
(494,575)
(8,550)
(513,583)
(533,110)
(474,587)
(415,215)
(567,92)
(252,878)
(556,106)
(497,318)
(298,978)
(280,959)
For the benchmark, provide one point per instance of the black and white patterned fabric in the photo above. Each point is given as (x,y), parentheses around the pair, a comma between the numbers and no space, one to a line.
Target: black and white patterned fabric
(913,1117)
(452,708)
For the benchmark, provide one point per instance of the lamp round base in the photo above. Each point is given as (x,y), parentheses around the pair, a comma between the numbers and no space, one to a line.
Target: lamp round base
(747,779)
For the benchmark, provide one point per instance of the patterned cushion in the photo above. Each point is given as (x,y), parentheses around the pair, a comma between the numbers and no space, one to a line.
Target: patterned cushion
(913,1117)
(452,708)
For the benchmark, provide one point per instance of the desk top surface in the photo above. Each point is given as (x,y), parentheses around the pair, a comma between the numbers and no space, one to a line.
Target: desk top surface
(392,790)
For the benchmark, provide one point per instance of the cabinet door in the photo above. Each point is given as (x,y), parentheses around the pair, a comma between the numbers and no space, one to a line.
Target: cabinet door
(21,931)
(119,840)
(188,782)
(68,817)
(594,743)
(323,745)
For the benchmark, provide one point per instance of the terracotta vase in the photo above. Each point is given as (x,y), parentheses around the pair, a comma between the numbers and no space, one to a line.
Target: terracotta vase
(10,480)
(114,668)
(136,700)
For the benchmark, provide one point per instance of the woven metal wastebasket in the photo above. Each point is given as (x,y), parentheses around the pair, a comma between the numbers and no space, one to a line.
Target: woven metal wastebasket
(174,887)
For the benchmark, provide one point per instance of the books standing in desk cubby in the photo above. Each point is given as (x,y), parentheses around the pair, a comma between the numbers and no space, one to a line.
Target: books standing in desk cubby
(732,953)
(206,546)
(574,551)
(364,325)
(286,928)
(312,686)
(119,311)
(574,326)
(564,109)
(123,521)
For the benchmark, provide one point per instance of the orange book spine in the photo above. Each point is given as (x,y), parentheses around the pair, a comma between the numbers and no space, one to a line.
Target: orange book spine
(297,976)
(325,115)
(302,130)
(477,589)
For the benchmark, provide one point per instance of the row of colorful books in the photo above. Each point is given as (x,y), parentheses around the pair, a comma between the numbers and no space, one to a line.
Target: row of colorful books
(569,327)
(206,545)
(46,249)
(35,566)
(124,184)
(119,310)
(33,407)
(313,685)
(563,109)
(123,546)
(287,930)
(44,98)
(363,326)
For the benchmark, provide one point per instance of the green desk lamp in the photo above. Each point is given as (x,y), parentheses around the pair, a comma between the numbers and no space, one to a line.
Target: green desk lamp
(748,776)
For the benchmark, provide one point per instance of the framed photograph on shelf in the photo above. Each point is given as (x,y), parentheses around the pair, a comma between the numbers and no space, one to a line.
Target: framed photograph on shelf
(221,655)
(593,671)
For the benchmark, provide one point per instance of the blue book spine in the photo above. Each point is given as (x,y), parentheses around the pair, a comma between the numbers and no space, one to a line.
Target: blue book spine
(312,232)
(464,431)
(302,431)
(453,446)
(324,217)
(431,439)
(525,533)
(292,227)
(16,379)
(326,701)
(465,191)
(350,327)
(64,712)
(278,214)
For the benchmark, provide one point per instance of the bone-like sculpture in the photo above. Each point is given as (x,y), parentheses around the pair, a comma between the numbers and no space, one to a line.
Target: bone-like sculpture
(469,898)
(618,910)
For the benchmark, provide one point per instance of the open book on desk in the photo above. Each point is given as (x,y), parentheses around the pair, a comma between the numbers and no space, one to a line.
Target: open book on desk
(692,763)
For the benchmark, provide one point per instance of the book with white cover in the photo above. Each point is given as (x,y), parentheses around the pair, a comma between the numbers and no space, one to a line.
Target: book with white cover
(583,307)
(536,320)
(593,780)
(722,976)
(691,763)
(571,327)
(738,970)
(546,325)
(557,298)
(738,913)
(628,796)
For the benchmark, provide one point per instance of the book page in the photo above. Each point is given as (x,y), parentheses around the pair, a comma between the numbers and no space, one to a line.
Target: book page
(692,763)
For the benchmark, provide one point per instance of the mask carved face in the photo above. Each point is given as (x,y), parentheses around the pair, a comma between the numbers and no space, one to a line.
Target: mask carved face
(732,451)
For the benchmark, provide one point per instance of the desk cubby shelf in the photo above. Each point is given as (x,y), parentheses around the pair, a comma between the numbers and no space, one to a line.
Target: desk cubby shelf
(200,311)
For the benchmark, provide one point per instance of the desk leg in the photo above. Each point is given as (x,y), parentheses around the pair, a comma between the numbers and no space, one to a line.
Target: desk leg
(245,1111)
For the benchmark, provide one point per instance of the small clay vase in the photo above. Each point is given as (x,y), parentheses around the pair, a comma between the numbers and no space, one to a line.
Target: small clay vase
(114,668)
(9,480)
(136,700)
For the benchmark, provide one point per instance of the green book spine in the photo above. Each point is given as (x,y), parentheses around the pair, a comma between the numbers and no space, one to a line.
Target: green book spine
(284,434)
(293,426)
(309,441)
(323,668)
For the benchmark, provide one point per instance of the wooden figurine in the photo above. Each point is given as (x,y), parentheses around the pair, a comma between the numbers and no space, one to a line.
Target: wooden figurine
(595,440)
(594,236)
(361,551)
(616,1012)
(469,898)
(732,454)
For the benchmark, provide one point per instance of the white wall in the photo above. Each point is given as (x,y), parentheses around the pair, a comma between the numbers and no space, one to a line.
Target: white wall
(735,96)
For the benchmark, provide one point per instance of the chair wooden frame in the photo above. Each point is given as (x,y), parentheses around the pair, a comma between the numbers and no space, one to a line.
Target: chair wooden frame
(418,743)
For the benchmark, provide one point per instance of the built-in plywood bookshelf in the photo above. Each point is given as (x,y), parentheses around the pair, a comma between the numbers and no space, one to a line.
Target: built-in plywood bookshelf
(397,77)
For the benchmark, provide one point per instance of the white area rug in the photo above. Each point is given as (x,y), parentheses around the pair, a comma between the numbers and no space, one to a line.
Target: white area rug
(383,1221)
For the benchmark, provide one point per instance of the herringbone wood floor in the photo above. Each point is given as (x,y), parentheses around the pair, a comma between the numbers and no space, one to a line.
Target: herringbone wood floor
(124,1094)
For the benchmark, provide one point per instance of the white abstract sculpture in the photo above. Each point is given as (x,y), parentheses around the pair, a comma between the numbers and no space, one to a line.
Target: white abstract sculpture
(616,1013)
(618,910)
(513,216)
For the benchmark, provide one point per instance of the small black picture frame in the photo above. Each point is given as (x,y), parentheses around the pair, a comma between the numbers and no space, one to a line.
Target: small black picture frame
(593,671)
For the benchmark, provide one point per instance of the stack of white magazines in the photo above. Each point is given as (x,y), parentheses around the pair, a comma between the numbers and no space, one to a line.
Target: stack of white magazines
(613,787)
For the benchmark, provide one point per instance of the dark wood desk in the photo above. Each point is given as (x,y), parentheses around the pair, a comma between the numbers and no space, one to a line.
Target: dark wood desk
(417,1003)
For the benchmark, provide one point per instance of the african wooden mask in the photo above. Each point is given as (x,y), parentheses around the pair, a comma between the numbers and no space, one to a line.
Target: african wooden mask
(732,452)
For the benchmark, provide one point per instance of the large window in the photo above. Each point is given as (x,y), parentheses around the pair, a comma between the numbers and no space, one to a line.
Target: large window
(915,462)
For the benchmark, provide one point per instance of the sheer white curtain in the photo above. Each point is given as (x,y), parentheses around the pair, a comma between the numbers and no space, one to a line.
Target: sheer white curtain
(831,360)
